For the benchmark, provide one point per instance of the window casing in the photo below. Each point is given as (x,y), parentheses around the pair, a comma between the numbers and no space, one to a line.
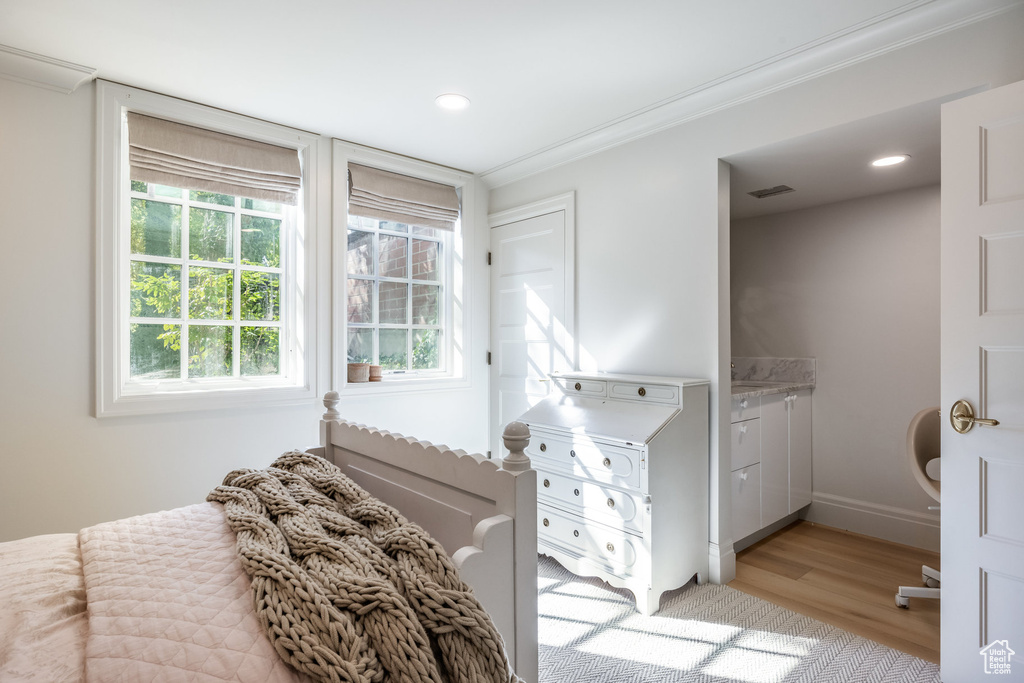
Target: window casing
(185,318)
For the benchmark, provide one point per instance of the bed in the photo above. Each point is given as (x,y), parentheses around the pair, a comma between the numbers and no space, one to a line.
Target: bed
(164,596)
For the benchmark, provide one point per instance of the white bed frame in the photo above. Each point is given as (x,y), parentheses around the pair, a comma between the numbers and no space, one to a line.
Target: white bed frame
(484,515)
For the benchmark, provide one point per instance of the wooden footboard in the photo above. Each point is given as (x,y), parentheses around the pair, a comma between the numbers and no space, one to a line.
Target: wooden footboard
(485,515)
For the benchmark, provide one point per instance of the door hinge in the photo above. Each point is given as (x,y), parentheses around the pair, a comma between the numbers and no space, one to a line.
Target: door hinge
(488,357)
(488,258)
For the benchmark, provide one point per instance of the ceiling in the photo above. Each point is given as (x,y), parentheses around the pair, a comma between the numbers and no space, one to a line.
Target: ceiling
(538,72)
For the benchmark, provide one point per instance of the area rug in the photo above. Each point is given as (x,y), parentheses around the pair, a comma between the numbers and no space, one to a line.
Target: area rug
(591,633)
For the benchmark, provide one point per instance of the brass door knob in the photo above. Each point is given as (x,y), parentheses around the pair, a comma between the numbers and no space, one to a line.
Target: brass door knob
(961,416)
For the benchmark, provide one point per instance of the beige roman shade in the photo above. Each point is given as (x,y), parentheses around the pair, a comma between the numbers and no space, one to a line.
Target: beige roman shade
(177,155)
(389,196)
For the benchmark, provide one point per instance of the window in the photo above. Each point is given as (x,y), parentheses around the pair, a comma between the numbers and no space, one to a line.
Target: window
(206,281)
(396,288)
(401,230)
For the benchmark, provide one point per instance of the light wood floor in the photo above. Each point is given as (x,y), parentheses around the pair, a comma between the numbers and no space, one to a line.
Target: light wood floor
(846,580)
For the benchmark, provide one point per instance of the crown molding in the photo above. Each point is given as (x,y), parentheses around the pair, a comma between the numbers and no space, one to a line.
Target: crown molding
(41,71)
(907,25)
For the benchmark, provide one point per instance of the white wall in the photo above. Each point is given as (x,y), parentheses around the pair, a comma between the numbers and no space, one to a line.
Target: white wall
(650,268)
(856,286)
(60,467)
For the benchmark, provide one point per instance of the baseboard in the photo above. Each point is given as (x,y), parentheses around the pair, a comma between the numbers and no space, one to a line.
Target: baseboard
(753,538)
(899,525)
(721,565)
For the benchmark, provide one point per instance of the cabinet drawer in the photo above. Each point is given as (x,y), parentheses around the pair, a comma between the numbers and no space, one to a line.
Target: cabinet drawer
(582,387)
(746,408)
(746,443)
(650,393)
(585,459)
(746,501)
(612,547)
(590,499)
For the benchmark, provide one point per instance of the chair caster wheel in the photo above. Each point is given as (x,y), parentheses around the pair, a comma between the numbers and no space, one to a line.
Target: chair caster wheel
(929,581)
(902,602)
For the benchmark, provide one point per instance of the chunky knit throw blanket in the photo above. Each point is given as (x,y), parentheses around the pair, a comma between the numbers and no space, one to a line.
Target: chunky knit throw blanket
(347,589)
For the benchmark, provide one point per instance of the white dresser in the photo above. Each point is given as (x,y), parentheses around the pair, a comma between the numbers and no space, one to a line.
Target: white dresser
(622,469)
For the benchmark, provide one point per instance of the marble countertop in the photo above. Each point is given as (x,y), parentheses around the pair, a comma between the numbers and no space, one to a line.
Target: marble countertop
(749,389)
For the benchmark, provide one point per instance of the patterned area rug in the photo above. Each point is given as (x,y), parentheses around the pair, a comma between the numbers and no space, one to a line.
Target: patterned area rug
(591,633)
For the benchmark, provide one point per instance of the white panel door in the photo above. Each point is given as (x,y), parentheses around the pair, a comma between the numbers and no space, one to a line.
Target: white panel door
(983,362)
(531,309)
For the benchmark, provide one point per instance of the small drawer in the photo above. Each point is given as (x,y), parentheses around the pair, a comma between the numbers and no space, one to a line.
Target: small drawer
(613,548)
(581,387)
(746,501)
(649,393)
(586,459)
(590,499)
(746,408)
(746,443)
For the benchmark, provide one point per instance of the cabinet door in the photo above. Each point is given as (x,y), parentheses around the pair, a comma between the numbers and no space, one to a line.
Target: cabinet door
(774,458)
(800,452)
(746,501)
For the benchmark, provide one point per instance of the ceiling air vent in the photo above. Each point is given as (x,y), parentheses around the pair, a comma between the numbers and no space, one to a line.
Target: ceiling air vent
(771,191)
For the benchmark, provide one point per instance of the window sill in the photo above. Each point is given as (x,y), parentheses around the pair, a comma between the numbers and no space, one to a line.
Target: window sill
(392,384)
(182,401)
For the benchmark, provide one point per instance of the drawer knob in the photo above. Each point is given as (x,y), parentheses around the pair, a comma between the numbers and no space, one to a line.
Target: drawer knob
(578,386)
(607,463)
(743,476)
(611,548)
(543,447)
(743,429)
(743,403)
(572,454)
(576,492)
(642,391)
(546,522)
(576,533)
(547,483)
(611,503)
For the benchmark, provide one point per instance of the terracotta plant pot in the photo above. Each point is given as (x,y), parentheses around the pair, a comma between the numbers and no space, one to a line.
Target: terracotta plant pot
(358,372)
(375,373)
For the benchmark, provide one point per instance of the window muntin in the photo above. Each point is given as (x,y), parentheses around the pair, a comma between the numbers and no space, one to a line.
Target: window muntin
(205,286)
(396,295)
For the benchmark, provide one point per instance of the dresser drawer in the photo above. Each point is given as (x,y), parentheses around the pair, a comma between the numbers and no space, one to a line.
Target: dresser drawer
(612,547)
(581,387)
(648,393)
(746,443)
(586,459)
(746,408)
(590,499)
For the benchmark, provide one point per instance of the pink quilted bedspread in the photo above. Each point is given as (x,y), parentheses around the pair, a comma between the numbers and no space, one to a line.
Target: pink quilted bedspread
(168,600)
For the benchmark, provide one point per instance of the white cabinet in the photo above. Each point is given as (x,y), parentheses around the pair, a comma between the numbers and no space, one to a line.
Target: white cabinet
(779,460)
(622,464)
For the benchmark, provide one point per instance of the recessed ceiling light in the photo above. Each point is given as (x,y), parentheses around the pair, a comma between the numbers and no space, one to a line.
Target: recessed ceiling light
(890,161)
(452,101)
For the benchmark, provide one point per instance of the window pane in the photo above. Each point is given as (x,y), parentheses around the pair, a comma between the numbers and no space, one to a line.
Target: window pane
(154,351)
(211,198)
(361,223)
(424,350)
(210,292)
(394,303)
(393,226)
(209,235)
(360,345)
(261,205)
(394,349)
(425,304)
(261,296)
(156,290)
(209,351)
(424,260)
(429,232)
(156,228)
(359,260)
(139,186)
(360,301)
(261,241)
(394,253)
(261,353)
(165,191)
